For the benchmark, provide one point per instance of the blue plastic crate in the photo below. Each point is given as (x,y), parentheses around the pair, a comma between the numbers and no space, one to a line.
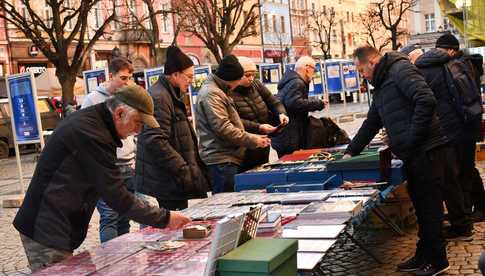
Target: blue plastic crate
(315,177)
(258,180)
(362,175)
(298,187)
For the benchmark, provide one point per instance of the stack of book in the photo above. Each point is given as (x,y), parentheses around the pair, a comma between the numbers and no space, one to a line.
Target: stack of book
(271,223)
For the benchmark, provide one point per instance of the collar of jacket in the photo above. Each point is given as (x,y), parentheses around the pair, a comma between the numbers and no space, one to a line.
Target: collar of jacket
(174,91)
(220,83)
(107,117)
(382,68)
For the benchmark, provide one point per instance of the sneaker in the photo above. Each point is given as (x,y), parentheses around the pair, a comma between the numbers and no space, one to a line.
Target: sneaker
(454,234)
(410,265)
(431,270)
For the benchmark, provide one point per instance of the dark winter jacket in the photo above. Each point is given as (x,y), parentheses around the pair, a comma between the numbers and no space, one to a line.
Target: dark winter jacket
(168,164)
(77,168)
(293,93)
(431,65)
(405,105)
(222,137)
(256,105)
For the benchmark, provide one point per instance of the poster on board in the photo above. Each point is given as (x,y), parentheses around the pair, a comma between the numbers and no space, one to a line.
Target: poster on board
(333,74)
(26,125)
(351,76)
(270,75)
(93,78)
(152,75)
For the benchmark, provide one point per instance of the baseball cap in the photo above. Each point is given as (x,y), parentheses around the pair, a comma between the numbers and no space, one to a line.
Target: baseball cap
(137,97)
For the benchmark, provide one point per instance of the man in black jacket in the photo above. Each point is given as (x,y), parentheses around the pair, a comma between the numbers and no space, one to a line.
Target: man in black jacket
(405,105)
(432,66)
(168,164)
(77,168)
(293,93)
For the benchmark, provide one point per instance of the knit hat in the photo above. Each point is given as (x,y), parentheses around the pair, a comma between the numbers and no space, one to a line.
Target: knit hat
(137,97)
(448,41)
(409,48)
(230,69)
(247,64)
(176,61)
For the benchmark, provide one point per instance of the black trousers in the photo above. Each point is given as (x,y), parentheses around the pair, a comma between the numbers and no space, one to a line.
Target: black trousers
(173,205)
(478,192)
(456,187)
(466,160)
(425,174)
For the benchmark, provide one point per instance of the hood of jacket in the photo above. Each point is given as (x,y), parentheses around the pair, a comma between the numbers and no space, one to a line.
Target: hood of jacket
(382,68)
(289,76)
(102,89)
(432,58)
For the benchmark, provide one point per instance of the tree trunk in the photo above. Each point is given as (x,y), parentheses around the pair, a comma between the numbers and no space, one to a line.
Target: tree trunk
(67,80)
(394,39)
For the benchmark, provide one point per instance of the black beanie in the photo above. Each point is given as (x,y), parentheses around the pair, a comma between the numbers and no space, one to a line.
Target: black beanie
(230,69)
(176,61)
(448,41)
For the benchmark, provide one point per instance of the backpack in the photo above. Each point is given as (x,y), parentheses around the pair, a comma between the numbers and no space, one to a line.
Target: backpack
(324,133)
(465,92)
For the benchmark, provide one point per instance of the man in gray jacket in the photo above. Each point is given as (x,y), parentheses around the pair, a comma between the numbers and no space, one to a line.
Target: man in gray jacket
(223,139)
(112,225)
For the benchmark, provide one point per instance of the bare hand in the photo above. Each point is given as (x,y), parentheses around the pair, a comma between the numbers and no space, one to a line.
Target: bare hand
(177,220)
(385,139)
(284,120)
(346,156)
(262,141)
(266,129)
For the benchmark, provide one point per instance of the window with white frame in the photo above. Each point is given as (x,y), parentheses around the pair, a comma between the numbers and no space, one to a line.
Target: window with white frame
(48,14)
(98,20)
(266,23)
(69,12)
(165,18)
(429,22)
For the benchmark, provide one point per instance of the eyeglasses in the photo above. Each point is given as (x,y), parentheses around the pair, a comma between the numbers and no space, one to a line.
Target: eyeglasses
(313,67)
(190,77)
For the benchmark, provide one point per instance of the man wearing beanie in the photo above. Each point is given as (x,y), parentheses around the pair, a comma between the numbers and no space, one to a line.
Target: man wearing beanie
(77,168)
(293,93)
(467,134)
(168,165)
(259,109)
(222,137)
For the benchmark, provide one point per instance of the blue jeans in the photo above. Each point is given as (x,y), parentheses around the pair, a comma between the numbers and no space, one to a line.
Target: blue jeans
(222,177)
(111,224)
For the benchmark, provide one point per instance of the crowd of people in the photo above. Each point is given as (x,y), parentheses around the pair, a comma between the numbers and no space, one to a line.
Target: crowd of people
(127,142)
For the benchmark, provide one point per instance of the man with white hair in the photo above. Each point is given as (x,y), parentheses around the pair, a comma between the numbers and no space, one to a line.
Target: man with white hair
(293,93)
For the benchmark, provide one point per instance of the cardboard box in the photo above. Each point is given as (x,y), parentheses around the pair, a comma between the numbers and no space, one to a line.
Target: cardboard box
(261,257)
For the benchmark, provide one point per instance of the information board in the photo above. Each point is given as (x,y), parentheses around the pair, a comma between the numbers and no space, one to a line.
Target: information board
(23,105)
(93,78)
(351,76)
(333,75)
(270,75)
(152,75)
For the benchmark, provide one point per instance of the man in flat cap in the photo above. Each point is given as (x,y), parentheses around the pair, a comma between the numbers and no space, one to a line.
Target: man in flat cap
(168,165)
(76,168)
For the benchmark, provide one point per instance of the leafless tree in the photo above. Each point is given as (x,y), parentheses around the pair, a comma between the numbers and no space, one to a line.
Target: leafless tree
(143,24)
(391,13)
(373,31)
(220,24)
(321,23)
(53,37)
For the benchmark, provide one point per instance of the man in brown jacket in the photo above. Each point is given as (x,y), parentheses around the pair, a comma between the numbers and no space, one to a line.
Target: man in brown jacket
(223,139)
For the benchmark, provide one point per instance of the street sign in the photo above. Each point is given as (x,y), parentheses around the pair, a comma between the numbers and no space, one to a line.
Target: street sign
(93,78)
(24,115)
(270,75)
(152,75)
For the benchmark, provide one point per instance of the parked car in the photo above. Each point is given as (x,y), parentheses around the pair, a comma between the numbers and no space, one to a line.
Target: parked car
(49,118)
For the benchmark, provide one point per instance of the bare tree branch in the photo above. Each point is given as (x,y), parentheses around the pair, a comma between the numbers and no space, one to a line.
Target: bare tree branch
(322,23)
